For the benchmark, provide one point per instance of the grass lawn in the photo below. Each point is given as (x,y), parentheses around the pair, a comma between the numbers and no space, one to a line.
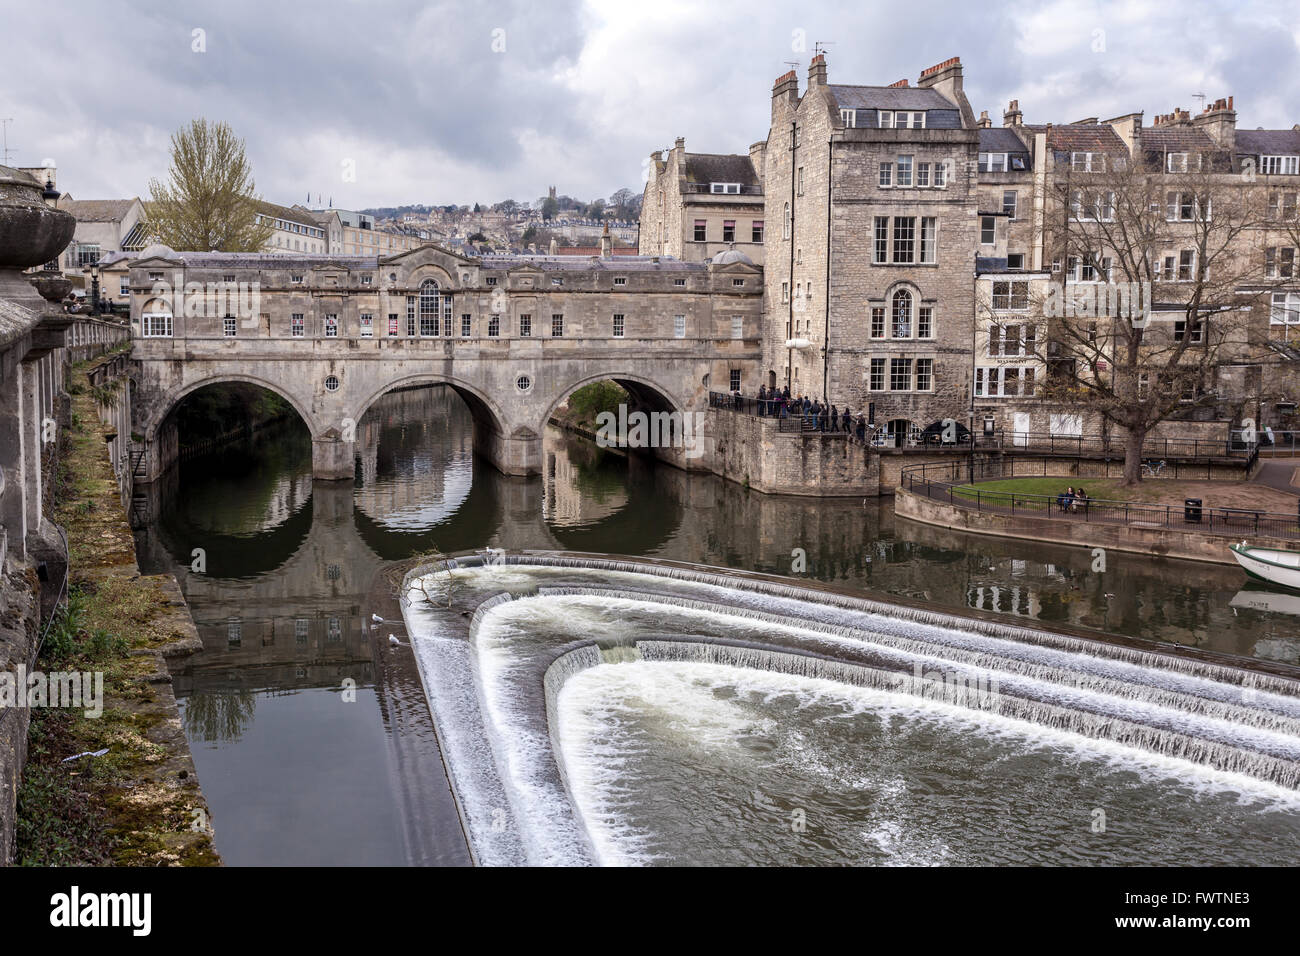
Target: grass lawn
(1155,491)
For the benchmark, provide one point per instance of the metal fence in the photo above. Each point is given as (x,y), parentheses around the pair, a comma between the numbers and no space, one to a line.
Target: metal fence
(954,482)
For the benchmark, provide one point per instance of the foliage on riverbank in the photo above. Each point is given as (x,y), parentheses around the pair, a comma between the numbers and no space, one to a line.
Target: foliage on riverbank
(136,804)
(590,400)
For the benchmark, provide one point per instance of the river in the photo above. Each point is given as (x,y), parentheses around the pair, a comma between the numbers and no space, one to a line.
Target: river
(309,727)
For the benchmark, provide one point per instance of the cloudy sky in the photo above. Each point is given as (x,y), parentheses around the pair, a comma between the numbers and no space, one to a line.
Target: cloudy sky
(442,102)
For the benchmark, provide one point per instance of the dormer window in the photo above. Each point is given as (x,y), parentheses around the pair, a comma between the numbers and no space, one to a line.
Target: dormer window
(849,118)
(992,162)
(620,280)
(902,119)
(731,189)
(1086,162)
(1176,162)
(1279,165)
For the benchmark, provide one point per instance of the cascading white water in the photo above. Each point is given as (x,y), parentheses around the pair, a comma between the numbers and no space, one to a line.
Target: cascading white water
(567,679)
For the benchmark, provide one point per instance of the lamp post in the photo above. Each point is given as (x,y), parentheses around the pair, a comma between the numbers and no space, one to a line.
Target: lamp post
(94,288)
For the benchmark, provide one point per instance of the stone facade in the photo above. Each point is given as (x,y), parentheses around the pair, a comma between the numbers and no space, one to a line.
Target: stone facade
(514,335)
(697,205)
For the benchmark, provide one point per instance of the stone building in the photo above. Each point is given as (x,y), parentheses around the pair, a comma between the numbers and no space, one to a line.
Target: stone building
(869,262)
(293,229)
(696,205)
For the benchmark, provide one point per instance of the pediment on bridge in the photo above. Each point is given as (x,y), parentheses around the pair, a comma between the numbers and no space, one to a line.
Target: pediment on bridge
(426,261)
(737,268)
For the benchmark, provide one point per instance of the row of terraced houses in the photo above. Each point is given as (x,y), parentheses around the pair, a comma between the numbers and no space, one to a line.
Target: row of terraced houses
(908,246)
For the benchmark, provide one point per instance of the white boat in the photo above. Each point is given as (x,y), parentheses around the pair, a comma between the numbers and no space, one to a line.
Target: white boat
(1269,564)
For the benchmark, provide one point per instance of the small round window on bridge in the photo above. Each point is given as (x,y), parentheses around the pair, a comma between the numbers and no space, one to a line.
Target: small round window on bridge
(523,383)
(332,383)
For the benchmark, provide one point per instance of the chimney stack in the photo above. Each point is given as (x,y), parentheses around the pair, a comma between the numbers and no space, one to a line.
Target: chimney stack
(1012,116)
(1219,120)
(552,250)
(605,244)
(985,122)
(785,94)
(817,71)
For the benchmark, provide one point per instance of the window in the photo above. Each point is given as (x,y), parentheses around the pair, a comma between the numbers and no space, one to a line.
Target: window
(785,225)
(785,292)
(88,254)
(430,304)
(1086,162)
(756,230)
(925,322)
(701,227)
(924,374)
(557,325)
(877,382)
(679,282)
(904,238)
(1197,334)
(367,325)
(901,327)
(365,280)
(1005,380)
(878,322)
(331,326)
(1279,262)
(296,279)
(466,325)
(734,379)
(1186,262)
(1015,260)
(849,118)
(620,280)
(904,170)
(988,230)
(525,326)
(799,181)
(1279,165)
(618,325)
(494,326)
(1285,311)
(155,276)
(880,252)
(902,119)
(156,324)
(124,287)
(1009,202)
(886,174)
(410,315)
(392,323)
(679,326)
(992,163)
(737,326)
(228,277)
(900,374)
(446,317)
(491,280)
(1186,207)
(1176,162)
(1011,295)
(922,175)
(331,383)
(1282,205)
(228,326)
(296,325)
(727,188)
(940,175)
(1012,340)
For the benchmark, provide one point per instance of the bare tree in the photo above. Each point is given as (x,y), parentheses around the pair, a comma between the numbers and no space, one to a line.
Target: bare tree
(1157,276)
(208,202)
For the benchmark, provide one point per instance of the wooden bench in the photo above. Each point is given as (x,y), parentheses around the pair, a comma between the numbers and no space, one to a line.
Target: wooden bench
(1230,514)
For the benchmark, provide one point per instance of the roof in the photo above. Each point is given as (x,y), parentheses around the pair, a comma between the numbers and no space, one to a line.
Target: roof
(1268,142)
(1176,139)
(267,260)
(595,250)
(589,263)
(889,98)
(1001,140)
(1083,138)
(98,210)
(720,168)
(302,217)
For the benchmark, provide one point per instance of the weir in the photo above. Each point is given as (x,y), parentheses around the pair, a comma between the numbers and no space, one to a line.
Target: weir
(563,616)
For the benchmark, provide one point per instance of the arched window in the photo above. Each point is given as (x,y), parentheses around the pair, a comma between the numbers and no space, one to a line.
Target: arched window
(785,223)
(902,328)
(156,319)
(430,302)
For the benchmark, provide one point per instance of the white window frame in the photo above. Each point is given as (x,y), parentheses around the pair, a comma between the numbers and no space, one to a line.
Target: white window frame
(297,325)
(726,189)
(679,326)
(1279,165)
(1284,309)
(991,163)
(849,118)
(619,325)
(156,325)
(367,325)
(737,326)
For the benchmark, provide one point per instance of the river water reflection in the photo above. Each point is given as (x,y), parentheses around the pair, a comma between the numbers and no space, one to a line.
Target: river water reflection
(309,729)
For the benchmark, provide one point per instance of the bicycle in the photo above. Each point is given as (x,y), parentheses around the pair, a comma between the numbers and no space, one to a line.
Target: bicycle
(1152,469)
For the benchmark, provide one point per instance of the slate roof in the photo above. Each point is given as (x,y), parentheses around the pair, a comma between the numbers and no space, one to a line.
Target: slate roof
(588,263)
(1176,139)
(1268,142)
(269,260)
(999,139)
(1096,138)
(97,210)
(302,217)
(889,98)
(720,168)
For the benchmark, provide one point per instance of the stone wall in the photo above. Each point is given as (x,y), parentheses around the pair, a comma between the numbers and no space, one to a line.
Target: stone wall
(19,633)
(750,450)
(1154,542)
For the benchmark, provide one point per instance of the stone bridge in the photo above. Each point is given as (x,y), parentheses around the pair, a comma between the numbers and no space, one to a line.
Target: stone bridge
(514,336)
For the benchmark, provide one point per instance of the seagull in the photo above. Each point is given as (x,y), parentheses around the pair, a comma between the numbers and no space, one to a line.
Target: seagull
(392,639)
(376,618)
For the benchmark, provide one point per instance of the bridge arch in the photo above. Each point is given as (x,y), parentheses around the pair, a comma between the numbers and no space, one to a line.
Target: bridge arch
(157,414)
(487,413)
(644,391)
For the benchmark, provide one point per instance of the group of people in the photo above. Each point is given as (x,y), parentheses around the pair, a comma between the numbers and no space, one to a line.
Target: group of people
(1072,499)
(778,403)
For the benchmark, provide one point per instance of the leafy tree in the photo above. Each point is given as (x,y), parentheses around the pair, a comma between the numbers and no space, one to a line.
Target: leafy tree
(550,207)
(208,201)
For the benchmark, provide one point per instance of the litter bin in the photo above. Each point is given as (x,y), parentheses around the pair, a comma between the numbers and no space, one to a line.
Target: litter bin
(1192,510)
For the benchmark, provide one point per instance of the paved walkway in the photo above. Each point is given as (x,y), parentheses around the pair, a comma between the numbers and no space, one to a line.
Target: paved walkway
(1281,474)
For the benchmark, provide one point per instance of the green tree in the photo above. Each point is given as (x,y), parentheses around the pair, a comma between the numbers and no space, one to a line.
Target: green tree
(550,207)
(208,201)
